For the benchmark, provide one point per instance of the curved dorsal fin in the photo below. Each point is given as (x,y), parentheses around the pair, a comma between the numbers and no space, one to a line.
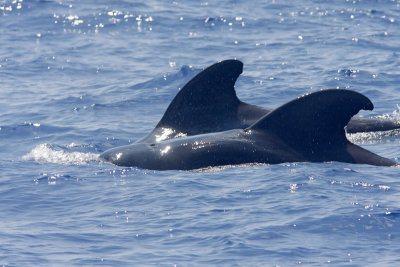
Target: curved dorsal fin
(314,123)
(206,102)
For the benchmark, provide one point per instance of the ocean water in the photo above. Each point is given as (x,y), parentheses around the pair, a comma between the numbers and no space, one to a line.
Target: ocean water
(79,77)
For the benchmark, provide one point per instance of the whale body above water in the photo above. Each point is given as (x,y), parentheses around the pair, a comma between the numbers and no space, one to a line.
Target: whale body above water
(206,125)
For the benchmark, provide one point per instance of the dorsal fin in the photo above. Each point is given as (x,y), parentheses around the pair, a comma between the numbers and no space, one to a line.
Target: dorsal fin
(314,123)
(206,102)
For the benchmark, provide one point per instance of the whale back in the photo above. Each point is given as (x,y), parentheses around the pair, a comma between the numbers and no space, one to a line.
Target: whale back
(313,125)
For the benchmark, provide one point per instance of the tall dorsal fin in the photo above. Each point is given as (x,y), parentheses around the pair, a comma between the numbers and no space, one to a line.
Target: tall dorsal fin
(314,123)
(206,102)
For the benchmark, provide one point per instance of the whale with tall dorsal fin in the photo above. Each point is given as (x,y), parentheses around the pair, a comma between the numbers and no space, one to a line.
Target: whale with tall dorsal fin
(206,125)
(208,103)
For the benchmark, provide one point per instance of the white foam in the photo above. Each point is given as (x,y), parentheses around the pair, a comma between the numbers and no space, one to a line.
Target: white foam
(395,115)
(373,137)
(378,136)
(45,153)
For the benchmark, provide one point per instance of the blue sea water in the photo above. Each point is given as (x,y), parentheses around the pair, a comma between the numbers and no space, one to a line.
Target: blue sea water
(79,77)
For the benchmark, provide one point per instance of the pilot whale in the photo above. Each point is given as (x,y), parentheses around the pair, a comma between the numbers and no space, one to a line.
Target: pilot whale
(310,128)
(208,103)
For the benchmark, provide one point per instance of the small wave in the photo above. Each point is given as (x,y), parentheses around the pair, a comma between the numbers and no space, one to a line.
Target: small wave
(395,115)
(378,136)
(373,137)
(223,167)
(46,153)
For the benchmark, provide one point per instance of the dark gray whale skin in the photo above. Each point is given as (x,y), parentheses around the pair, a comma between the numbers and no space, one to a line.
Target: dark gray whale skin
(206,125)
(205,130)
(208,103)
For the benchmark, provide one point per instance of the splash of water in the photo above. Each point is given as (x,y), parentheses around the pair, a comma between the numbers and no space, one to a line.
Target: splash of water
(45,153)
(378,136)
